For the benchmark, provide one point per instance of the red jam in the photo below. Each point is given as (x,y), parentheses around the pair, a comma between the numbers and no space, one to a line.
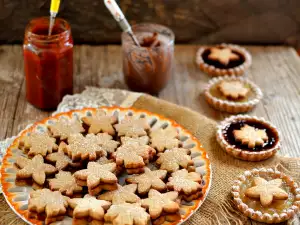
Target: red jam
(48,62)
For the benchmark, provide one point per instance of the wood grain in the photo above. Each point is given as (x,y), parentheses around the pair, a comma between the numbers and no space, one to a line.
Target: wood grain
(275,69)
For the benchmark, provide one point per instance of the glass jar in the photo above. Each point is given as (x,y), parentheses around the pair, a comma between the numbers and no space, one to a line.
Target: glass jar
(48,62)
(149,67)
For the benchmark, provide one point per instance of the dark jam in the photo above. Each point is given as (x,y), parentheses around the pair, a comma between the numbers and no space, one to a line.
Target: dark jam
(229,137)
(217,64)
(149,67)
(48,63)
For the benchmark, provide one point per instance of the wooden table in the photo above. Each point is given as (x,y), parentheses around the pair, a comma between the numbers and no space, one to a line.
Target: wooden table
(275,69)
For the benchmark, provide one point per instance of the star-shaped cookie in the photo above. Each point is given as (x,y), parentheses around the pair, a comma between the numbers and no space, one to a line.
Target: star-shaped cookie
(100,122)
(157,203)
(96,174)
(133,155)
(38,143)
(82,148)
(233,89)
(63,128)
(61,160)
(131,214)
(171,160)
(250,136)
(35,168)
(89,206)
(162,139)
(65,183)
(185,182)
(149,179)
(266,191)
(132,127)
(52,203)
(104,140)
(223,55)
(121,195)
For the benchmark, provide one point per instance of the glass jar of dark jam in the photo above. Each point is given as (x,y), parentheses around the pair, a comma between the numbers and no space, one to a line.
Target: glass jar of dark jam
(48,62)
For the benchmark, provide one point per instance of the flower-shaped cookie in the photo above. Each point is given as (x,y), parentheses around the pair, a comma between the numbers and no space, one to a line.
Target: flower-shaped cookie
(38,143)
(65,183)
(105,141)
(162,139)
(89,206)
(132,127)
(121,195)
(35,168)
(96,174)
(126,213)
(171,160)
(61,160)
(185,182)
(157,203)
(53,204)
(63,128)
(82,148)
(100,122)
(233,89)
(250,136)
(143,140)
(133,155)
(223,55)
(149,179)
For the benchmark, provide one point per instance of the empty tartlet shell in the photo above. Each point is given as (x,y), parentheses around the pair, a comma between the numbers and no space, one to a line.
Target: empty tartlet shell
(258,215)
(236,152)
(231,106)
(214,71)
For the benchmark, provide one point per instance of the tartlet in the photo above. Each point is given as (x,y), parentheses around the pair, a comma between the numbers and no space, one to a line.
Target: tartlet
(276,195)
(232,94)
(236,133)
(237,62)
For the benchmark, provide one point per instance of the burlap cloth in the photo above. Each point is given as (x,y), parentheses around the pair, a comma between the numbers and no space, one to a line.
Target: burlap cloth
(218,207)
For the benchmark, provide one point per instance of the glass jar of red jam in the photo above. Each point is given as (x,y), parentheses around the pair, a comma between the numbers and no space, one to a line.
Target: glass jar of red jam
(48,62)
(148,67)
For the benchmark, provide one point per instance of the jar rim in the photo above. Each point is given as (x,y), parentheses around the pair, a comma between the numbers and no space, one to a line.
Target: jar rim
(163,29)
(46,38)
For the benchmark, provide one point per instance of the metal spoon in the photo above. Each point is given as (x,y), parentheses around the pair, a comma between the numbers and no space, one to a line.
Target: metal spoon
(116,12)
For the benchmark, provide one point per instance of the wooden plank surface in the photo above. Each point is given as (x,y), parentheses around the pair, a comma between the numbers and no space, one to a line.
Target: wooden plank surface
(275,69)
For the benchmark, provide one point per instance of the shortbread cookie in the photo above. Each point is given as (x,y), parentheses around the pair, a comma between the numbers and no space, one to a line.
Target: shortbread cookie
(166,217)
(250,136)
(131,214)
(35,168)
(233,89)
(100,122)
(38,144)
(185,182)
(157,203)
(266,191)
(61,160)
(132,127)
(88,207)
(121,195)
(192,197)
(143,140)
(171,160)
(162,139)
(135,171)
(81,148)
(103,187)
(97,174)
(63,128)
(149,179)
(53,204)
(223,55)
(105,141)
(65,183)
(133,155)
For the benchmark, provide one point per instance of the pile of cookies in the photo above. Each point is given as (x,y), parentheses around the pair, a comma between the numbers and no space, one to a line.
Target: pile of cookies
(77,169)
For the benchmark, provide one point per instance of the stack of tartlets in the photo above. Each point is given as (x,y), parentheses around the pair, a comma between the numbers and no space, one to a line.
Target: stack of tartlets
(101,169)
